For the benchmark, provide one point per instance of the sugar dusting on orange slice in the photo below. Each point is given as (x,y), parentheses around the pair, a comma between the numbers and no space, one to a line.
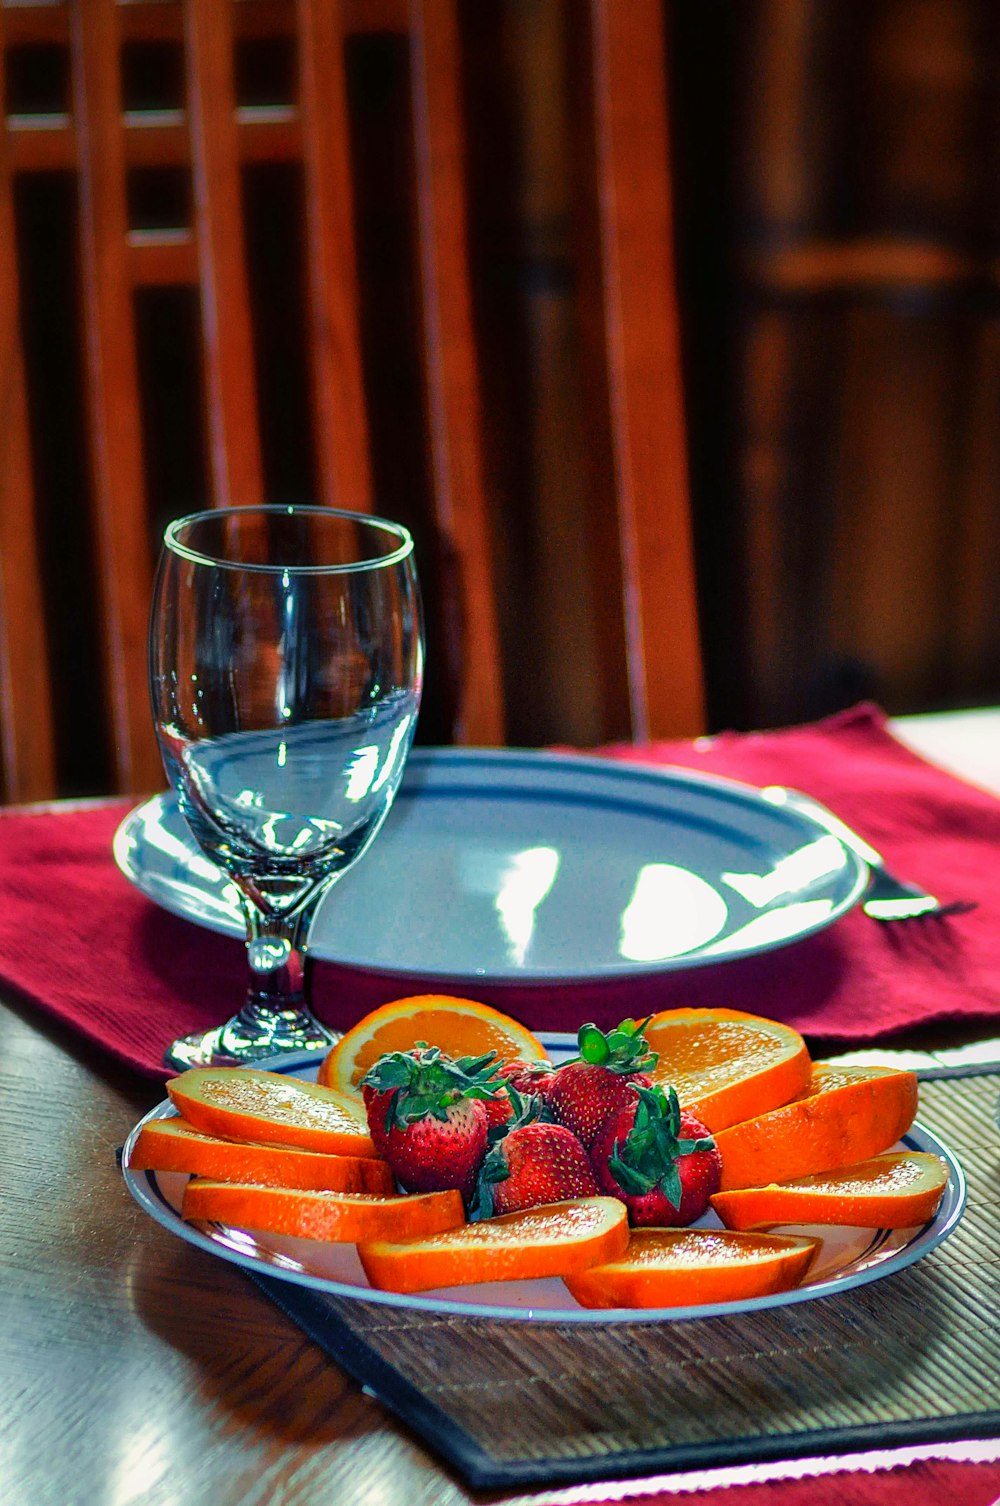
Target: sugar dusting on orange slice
(341,1217)
(555,1239)
(899,1190)
(245,1103)
(460,1027)
(175,1145)
(727,1065)
(685,1267)
(846,1114)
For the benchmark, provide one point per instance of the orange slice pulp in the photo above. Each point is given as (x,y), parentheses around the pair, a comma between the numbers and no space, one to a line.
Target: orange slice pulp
(555,1239)
(683,1267)
(175,1145)
(245,1103)
(332,1216)
(460,1027)
(727,1065)
(895,1191)
(846,1114)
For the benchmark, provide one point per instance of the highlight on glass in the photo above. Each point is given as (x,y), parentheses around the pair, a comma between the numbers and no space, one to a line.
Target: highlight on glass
(285,669)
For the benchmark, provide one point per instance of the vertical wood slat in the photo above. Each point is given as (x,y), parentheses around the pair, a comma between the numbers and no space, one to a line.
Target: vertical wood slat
(643,359)
(235,463)
(339,416)
(27,750)
(113,389)
(450,373)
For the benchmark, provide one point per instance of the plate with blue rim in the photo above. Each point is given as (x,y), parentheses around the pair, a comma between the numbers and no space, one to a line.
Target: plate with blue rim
(519,867)
(847,1257)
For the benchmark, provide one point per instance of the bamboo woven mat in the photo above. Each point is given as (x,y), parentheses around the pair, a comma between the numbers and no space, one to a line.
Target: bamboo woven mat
(913,1357)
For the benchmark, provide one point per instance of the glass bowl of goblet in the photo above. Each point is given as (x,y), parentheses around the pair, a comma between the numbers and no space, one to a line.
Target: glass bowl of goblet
(285,667)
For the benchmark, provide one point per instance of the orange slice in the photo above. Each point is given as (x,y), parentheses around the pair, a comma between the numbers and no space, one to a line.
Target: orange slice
(555,1239)
(245,1103)
(175,1145)
(846,1114)
(727,1065)
(895,1191)
(460,1027)
(339,1217)
(682,1267)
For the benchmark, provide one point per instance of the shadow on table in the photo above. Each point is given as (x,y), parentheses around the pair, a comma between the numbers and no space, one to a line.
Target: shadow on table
(250,1360)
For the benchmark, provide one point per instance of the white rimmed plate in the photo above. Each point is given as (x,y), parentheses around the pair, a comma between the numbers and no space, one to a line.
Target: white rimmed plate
(526,868)
(848,1257)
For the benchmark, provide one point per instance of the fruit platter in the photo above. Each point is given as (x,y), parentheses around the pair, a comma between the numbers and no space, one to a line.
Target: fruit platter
(443,1157)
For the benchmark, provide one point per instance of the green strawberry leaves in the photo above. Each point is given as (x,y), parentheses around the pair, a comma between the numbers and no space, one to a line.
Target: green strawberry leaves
(653,1146)
(526,1108)
(624,1049)
(389,1072)
(493,1170)
(424,1083)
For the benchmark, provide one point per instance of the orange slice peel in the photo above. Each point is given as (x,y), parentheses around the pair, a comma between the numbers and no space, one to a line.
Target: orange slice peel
(554,1239)
(846,1114)
(898,1190)
(460,1027)
(246,1103)
(336,1217)
(689,1267)
(174,1145)
(727,1065)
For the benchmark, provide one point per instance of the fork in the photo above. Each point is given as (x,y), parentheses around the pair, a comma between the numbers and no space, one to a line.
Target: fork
(888,898)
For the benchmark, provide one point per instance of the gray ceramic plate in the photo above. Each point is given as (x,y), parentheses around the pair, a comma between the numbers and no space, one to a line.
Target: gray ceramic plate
(537,868)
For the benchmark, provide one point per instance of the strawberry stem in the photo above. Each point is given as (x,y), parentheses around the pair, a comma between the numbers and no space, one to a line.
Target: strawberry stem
(653,1146)
(493,1170)
(624,1049)
(424,1083)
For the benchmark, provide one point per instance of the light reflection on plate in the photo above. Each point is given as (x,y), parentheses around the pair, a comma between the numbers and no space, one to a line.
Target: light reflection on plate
(541,868)
(847,1258)
(672,912)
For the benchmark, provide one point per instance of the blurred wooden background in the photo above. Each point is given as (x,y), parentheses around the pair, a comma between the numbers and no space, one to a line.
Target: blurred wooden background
(838,228)
(839,217)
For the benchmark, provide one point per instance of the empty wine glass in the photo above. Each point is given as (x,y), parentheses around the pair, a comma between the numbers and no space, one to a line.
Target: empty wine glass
(286,662)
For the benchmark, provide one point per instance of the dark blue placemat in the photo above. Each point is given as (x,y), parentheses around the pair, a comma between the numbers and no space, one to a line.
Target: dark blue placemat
(908,1359)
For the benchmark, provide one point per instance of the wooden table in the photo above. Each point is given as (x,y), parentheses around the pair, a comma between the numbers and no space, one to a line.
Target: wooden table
(135,1368)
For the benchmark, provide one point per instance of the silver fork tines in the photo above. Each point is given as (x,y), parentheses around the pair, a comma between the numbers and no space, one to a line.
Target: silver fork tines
(888,898)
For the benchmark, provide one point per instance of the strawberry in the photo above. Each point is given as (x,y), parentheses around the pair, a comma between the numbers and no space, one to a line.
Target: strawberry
(500,1110)
(518,1081)
(427,1116)
(658,1159)
(535,1162)
(598,1083)
(535,1077)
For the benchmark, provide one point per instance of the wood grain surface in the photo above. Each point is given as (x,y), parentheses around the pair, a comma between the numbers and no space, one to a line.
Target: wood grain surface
(133,1367)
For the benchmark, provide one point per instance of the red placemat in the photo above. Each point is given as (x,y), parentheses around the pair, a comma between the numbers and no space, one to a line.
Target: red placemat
(926,1482)
(84,946)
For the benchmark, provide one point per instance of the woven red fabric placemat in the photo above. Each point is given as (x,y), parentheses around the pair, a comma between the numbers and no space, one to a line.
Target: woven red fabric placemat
(80,943)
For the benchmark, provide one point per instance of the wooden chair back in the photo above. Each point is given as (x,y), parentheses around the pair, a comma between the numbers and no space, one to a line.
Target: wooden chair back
(637,511)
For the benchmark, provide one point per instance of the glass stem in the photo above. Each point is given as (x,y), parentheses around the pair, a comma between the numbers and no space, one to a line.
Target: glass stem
(276,1009)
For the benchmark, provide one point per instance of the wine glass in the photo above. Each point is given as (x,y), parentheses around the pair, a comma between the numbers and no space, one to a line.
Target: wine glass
(285,665)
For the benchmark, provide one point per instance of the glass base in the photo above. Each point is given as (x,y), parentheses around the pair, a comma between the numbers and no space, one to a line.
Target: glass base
(240,1041)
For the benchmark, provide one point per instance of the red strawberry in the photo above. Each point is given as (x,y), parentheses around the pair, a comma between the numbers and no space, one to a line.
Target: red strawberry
(598,1083)
(659,1160)
(427,1116)
(501,1108)
(533,1163)
(529,1078)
